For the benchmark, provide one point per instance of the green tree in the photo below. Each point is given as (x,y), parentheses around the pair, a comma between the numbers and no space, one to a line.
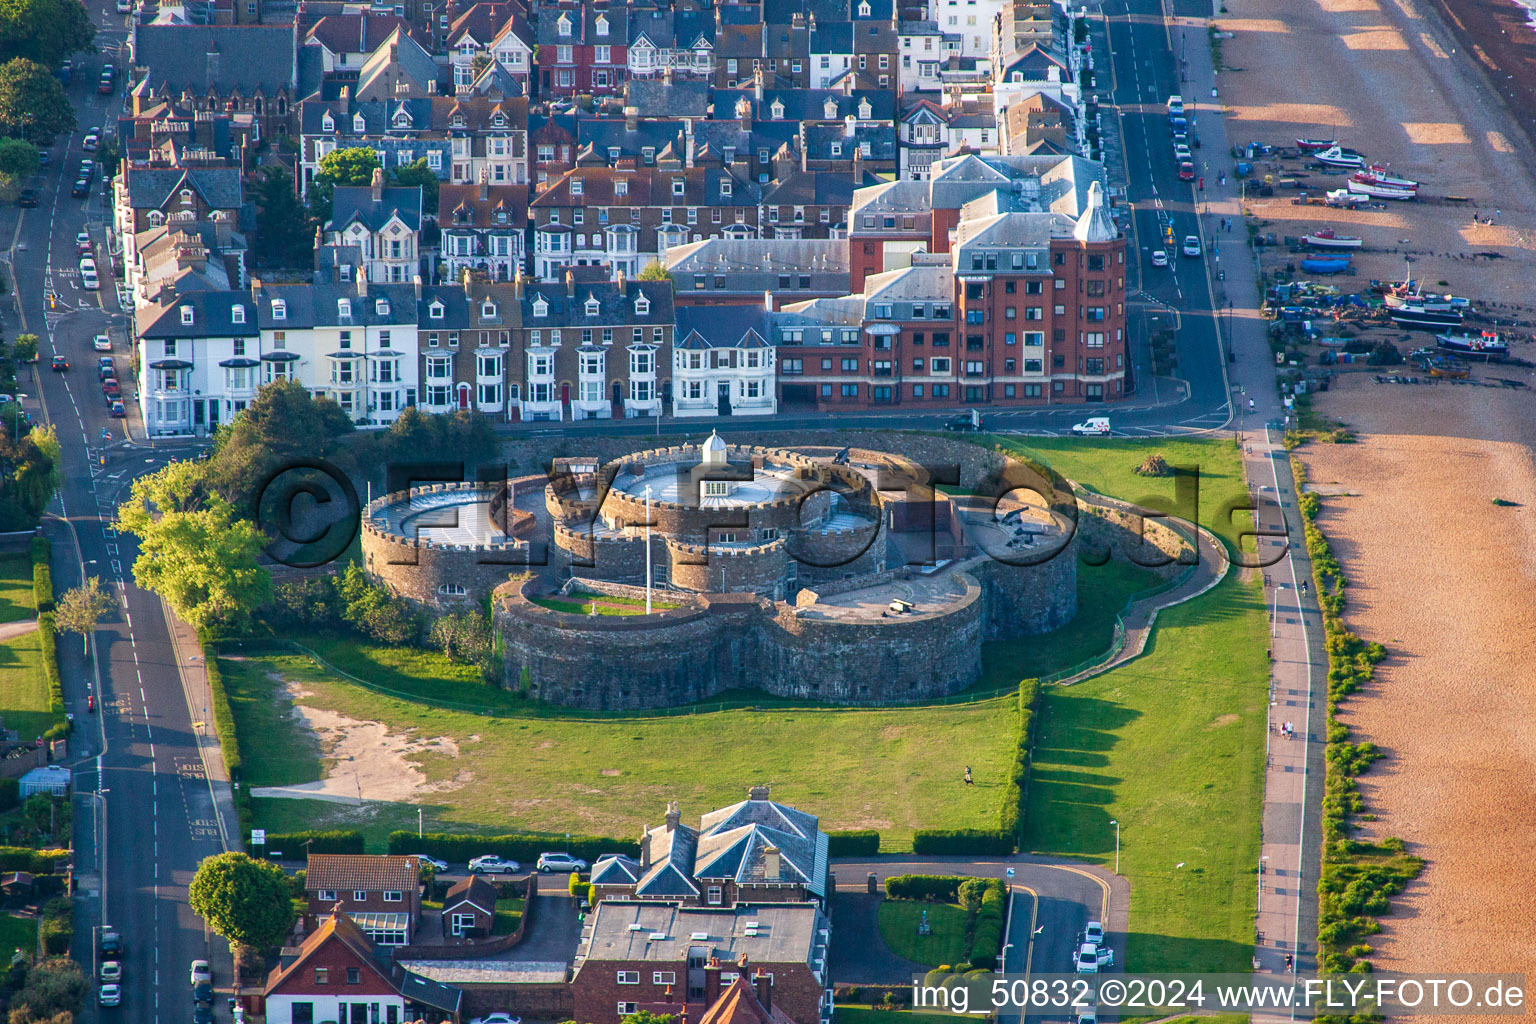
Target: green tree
(351,166)
(54,988)
(375,612)
(32,101)
(193,550)
(81,608)
(284,424)
(283,238)
(18,158)
(418,437)
(29,461)
(463,637)
(656,272)
(246,901)
(418,173)
(25,349)
(45,31)
(647,1017)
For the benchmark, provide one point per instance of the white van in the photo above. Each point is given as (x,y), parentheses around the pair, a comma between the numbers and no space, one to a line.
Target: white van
(1094,426)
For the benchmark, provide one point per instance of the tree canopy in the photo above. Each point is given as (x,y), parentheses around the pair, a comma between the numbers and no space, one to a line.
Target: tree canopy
(81,608)
(353,165)
(247,901)
(284,424)
(655,272)
(45,31)
(29,473)
(193,549)
(283,238)
(32,101)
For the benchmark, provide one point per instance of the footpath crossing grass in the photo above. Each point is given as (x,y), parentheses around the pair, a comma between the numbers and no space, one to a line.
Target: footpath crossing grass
(1172,746)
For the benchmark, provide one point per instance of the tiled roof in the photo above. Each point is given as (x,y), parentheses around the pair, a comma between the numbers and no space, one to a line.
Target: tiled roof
(361,871)
(648,187)
(701,327)
(362,32)
(222,58)
(151,189)
(474,890)
(613,307)
(654,97)
(355,202)
(462,206)
(739,1004)
(335,928)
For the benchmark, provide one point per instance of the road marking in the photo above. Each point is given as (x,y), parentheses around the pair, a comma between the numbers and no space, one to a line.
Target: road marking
(1104,904)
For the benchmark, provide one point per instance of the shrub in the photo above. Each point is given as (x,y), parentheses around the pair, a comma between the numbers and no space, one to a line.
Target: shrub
(58,926)
(970,893)
(864,842)
(42,574)
(986,841)
(10,794)
(933,888)
(229,742)
(336,840)
(456,847)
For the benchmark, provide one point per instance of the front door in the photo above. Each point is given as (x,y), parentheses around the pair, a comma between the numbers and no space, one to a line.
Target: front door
(565,393)
(724,407)
(463,396)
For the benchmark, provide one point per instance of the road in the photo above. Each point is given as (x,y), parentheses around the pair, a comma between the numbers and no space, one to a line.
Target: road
(144,808)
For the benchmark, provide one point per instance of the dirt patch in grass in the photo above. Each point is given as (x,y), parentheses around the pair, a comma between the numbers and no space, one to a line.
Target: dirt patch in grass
(365,760)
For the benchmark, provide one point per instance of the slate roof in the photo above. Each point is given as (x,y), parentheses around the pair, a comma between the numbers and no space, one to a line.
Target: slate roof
(820,139)
(671,863)
(615,869)
(221,58)
(613,308)
(211,316)
(836,37)
(152,188)
(754,264)
(355,202)
(317,305)
(705,327)
(816,188)
(605,133)
(647,187)
(739,1004)
(362,32)
(455,309)
(461,206)
(732,841)
(361,871)
(400,55)
(656,97)
(807,104)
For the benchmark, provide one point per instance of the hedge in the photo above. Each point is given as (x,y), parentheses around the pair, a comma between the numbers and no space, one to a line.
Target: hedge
(863,842)
(934,888)
(336,840)
(987,936)
(454,847)
(985,841)
(42,574)
(42,596)
(58,927)
(10,794)
(37,862)
(229,743)
(1016,791)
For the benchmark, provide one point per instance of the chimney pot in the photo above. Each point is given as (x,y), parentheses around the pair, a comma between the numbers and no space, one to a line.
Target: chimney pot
(763,981)
(674,816)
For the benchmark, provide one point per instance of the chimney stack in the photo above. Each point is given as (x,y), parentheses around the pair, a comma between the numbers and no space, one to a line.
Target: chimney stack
(674,817)
(570,284)
(763,981)
(712,982)
(772,869)
(466,279)
(376,186)
(768,300)
(757,793)
(631,119)
(517,285)
(645,863)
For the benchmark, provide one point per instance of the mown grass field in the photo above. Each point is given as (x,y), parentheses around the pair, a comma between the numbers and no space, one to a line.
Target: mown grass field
(23,687)
(944,944)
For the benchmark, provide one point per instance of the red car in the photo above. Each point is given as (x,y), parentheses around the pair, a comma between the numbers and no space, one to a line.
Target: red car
(110,388)
(90,703)
(1186,171)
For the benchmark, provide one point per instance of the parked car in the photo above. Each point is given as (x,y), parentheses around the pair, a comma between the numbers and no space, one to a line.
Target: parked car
(490,864)
(497,1018)
(1094,426)
(202,1013)
(89,280)
(90,703)
(1192,245)
(561,862)
(1159,258)
(1181,152)
(104,368)
(111,943)
(965,423)
(83,238)
(202,992)
(437,865)
(110,994)
(90,142)
(111,388)
(104,85)
(80,189)
(200,970)
(124,6)
(117,410)
(1186,171)
(1088,1016)
(27,198)
(1094,932)
(1091,959)
(87,168)
(59,364)
(111,970)
(103,343)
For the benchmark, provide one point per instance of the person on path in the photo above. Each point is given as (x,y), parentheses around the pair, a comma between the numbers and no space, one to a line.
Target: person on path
(968,780)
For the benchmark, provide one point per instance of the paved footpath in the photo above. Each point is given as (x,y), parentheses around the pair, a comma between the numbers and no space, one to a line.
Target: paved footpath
(1291,830)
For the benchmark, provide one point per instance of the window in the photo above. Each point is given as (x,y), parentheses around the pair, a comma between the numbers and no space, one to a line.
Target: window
(354,976)
(664,978)
(322,976)
(1034,313)
(326,895)
(237,314)
(625,1009)
(848,391)
(714,890)
(393,896)
(850,365)
(359,895)
(187,315)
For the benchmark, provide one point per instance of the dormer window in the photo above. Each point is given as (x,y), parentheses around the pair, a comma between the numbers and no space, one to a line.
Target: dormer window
(835,149)
(777,109)
(499,121)
(328,123)
(488,311)
(187,316)
(576,186)
(601,25)
(829,109)
(186,197)
(621,187)
(864,9)
(458,121)
(237,314)
(678,186)
(381,307)
(435,311)
(358,124)
(344,309)
(865,110)
(563,24)
(725,189)
(593,306)
(540,307)
(642,305)
(729,153)
(279,309)
(402,118)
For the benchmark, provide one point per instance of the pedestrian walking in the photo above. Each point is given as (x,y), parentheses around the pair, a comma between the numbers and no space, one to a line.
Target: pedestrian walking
(968,780)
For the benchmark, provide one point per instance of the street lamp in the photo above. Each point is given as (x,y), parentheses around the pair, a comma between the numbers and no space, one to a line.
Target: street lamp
(1116,823)
(1263,867)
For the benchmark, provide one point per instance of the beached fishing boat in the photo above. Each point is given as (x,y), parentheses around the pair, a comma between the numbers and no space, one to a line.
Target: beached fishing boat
(1326,239)
(1325,264)
(1365,188)
(1315,145)
(1396,298)
(1338,156)
(1344,197)
(1485,345)
(1415,316)
(1376,174)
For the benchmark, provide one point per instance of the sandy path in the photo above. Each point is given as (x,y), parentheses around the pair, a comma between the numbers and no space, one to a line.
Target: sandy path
(364,761)
(1447,581)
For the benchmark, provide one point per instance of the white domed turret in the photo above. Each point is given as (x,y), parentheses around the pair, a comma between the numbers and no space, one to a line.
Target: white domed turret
(1095,224)
(714,450)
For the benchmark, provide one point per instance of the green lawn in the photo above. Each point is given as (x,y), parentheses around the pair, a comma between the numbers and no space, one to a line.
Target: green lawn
(1108,466)
(945,944)
(843,1014)
(16,598)
(509,913)
(1172,746)
(23,687)
(17,933)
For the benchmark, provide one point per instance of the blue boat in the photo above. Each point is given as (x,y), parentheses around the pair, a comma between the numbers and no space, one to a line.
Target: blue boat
(1325,265)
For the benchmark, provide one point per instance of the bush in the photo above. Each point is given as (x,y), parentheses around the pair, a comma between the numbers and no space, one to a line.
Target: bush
(987,944)
(933,888)
(970,893)
(229,742)
(992,842)
(37,862)
(864,842)
(453,847)
(336,840)
(58,926)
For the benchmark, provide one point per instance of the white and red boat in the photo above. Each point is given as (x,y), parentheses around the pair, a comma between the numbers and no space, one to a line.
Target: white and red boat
(1338,156)
(1365,188)
(1344,197)
(1377,175)
(1314,145)
(1326,239)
